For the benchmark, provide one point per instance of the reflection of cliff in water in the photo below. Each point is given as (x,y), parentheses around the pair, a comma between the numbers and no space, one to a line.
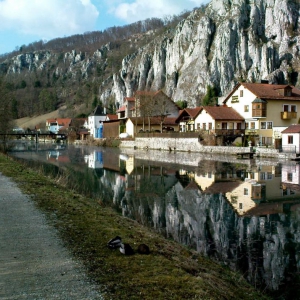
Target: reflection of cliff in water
(245,214)
(224,214)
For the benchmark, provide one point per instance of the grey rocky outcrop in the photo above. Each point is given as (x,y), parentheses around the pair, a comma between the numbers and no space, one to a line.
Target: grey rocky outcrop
(227,42)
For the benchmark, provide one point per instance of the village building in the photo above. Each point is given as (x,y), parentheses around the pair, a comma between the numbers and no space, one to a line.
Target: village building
(125,111)
(291,139)
(55,125)
(268,109)
(153,124)
(186,119)
(154,104)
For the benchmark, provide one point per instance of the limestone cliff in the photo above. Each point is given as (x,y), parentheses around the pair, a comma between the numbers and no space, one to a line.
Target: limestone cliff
(228,41)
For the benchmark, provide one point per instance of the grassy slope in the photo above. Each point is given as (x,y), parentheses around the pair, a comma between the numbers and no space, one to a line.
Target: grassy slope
(170,271)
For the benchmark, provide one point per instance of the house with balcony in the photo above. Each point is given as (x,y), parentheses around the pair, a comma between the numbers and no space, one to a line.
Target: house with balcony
(268,109)
(186,119)
(223,123)
(136,125)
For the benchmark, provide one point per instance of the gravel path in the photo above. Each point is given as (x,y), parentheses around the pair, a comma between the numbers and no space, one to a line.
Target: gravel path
(33,262)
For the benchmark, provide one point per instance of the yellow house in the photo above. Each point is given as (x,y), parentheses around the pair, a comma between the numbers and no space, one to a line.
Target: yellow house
(268,109)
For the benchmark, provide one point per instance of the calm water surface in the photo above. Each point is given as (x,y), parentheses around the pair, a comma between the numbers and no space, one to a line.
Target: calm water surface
(242,213)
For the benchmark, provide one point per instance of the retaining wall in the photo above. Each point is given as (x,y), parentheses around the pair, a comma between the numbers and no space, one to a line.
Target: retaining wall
(192,145)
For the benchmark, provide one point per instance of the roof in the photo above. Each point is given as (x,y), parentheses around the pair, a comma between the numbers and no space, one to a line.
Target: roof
(153,121)
(64,122)
(98,111)
(60,122)
(112,117)
(122,108)
(191,112)
(129,99)
(292,129)
(267,91)
(223,113)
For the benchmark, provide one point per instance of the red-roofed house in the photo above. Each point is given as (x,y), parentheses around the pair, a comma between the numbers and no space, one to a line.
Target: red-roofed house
(125,111)
(268,109)
(186,119)
(154,104)
(220,121)
(291,139)
(54,125)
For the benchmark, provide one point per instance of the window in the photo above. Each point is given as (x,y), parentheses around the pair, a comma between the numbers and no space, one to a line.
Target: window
(209,125)
(204,126)
(252,125)
(234,199)
(224,125)
(269,125)
(240,205)
(289,108)
(239,126)
(245,191)
(263,125)
(269,141)
(290,139)
(246,125)
(235,99)
(246,108)
(241,93)
(290,176)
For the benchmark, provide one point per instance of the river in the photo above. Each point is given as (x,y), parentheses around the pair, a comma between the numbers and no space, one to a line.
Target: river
(243,213)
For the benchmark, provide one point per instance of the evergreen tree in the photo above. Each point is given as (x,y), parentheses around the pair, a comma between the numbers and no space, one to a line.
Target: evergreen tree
(211,96)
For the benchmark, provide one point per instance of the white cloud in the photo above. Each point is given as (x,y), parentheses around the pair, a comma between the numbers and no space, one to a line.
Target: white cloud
(132,11)
(48,18)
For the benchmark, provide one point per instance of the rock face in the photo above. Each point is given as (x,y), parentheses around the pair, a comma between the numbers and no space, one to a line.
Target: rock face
(229,41)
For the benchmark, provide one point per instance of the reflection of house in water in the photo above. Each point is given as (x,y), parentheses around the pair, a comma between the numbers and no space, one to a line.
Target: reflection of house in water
(54,155)
(259,192)
(94,160)
(290,180)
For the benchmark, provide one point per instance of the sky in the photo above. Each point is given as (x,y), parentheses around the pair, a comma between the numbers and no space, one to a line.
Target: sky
(26,21)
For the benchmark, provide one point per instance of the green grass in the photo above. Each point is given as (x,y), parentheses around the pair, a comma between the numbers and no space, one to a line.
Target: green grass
(170,271)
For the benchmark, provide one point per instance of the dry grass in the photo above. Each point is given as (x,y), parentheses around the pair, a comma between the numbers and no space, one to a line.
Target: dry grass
(31,122)
(170,271)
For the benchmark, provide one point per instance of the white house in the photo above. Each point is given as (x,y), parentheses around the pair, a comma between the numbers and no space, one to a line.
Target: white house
(291,139)
(95,121)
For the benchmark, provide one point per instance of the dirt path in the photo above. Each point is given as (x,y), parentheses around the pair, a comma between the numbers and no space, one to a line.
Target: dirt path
(33,262)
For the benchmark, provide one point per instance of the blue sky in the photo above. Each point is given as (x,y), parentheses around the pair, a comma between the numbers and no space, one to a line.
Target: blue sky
(27,21)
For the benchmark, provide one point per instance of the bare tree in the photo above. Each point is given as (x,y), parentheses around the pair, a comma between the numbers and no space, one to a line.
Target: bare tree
(6,120)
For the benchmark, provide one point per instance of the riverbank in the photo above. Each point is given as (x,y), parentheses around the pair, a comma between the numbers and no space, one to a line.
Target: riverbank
(170,271)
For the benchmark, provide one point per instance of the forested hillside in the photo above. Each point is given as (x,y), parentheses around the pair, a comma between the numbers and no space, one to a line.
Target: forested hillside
(37,87)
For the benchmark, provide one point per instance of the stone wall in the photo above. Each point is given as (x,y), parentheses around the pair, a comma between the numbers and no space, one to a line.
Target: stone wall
(192,145)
